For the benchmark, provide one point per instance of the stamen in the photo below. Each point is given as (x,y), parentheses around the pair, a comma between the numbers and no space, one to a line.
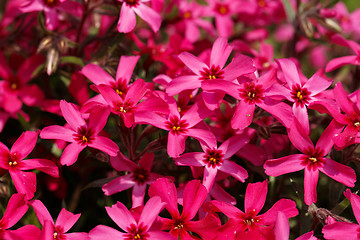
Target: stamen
(179,226)
(84,139)
(55,235)
(119,92)
(312,159)
(357,124)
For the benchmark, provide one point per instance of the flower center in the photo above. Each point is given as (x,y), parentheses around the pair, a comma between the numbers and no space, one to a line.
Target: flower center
(140,175)
(261,3)
(84,136)
(132,3)
(357,124)
(252,93)
(120,87)
(136,233)
(300,95)
(222,8)
(313,158)
(123,107)
(250,219)
(212,73)
(13,159)
(176,126)
(14,83)
(213,157)
(187,15)
(51,3)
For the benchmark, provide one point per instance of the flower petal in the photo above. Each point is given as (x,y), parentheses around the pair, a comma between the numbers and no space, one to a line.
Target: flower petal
(127,19)
(234,170)
(71,153)
(126,67)
(194,196)
(25,182)
(119,184)
(66,219)
(105,144)
(72,115)
(339,172)
(148,15)
(25,144)
(151,211)
(102,232)
(57,132)
(121,216)
(15,210)
(97,75)
(220,52)
(255,196)
(44,165)
(311,177)
(287,164)
(192,62)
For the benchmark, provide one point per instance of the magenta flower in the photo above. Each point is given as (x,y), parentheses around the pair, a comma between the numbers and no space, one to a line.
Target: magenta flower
(312,161)
(193,197)
(16,208)
(123,74)
(59,229)
(82,133)
(139,176)
(341,61)
(349,117)
(216,159)
(129,106)
(345,230)
(282,231)
(134,230)
(248,224)
(180,127)
(51,9)
(14,87)
(127,19)
(13,161)
(301,92)
(220,52)
(251,93)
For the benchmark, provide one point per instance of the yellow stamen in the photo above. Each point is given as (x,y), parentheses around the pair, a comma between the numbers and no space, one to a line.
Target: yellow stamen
(13,86)
(212,159)
(299,96)
(84,139)
(137,236)
(179,226)
(119,92)
(55,235)
(357,124)
(212,77)
(312,159)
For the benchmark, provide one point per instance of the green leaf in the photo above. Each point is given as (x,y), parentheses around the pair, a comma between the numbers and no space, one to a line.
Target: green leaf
(290,12)
(73,60)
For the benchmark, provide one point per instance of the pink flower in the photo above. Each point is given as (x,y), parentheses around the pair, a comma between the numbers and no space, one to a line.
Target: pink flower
(180,127)
(16,208)
(220,52)
(341,61)
(349,117)
(252,92)
(248,224)
(13,161)
(129,105)
(51,9)
(193,197)
(282,231)
(300,91)
(345,230)
(123,74)
(82,133)
(59,229)
(134,230)
(216,159)
(127,20)
(138,177)
(14,87)
(312,161)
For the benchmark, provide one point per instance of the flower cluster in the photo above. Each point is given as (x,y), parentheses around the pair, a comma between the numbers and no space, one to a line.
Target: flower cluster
(179,119)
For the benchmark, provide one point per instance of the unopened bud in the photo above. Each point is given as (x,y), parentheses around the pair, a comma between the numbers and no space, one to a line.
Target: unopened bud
(52,61)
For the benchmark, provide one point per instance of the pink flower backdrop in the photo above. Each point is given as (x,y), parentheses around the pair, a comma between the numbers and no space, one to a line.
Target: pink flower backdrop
(179,119)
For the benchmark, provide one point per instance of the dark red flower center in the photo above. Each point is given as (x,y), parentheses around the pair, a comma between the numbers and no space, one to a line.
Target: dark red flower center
(252,93)
(187,15)
(176,126)
(136,232)
(222,9)
(58,233)
(123,107)
(84,136)
(13,160)
(214,72)
(51,3)
(250,220)
(213,157)
(300,95)
(14,83)
(120,87)
(178,224)
(313,159)
(140,175)
(132,3)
